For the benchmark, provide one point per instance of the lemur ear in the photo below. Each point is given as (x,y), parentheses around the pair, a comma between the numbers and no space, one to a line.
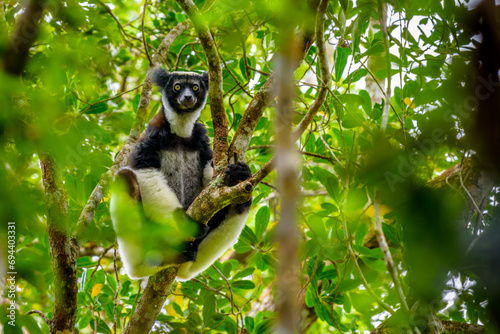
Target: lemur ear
(204,77)
(160,77)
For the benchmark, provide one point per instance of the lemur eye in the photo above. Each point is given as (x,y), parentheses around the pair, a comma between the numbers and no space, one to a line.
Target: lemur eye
(195,88)
(177,87)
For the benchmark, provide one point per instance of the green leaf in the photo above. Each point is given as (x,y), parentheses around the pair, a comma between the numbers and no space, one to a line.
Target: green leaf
(249,235)
(349,284)
(361,232)
(242,68)
(356,199)
(244,273)
(179,17)
(316,225)
(135,102)
(97,108)
(390,233)
(367,102)
(102,327)
(341,62)
(261,221)
(375,264)
(230,326)
(329,181)
(265,326)
(347,303)
(243,284)
(208,306)
(84,261)
(357,75)
(249,324)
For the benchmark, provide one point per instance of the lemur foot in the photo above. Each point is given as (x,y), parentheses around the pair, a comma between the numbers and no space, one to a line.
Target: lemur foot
(191,251)
(130,179)
(235,173)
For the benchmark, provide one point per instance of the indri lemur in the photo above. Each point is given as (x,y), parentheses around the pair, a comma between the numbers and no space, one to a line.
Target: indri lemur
(169,167)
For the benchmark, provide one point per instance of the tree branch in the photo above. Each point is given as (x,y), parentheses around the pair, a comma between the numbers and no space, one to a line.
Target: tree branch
(41,314)
(17,53)
(215,92)
(151,302)
(63,252)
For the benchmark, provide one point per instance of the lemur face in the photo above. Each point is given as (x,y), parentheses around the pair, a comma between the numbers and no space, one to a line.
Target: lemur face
(185,91)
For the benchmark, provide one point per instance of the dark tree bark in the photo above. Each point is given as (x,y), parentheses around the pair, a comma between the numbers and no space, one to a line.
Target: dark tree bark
(17,53)
(62,251)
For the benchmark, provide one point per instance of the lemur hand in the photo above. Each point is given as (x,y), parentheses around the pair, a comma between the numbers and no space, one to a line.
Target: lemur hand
(235,173)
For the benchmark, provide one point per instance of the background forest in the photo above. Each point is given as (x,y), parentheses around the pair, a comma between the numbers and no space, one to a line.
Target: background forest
(372,130)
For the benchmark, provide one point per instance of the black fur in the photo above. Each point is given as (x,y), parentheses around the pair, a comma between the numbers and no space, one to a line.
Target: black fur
(160,138)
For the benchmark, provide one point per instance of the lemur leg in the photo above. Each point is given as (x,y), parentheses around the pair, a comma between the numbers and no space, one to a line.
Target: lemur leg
(150,223)
(224,227)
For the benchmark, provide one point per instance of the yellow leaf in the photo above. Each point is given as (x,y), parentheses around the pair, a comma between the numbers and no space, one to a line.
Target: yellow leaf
(96,289)
(170,309)
(179,298)
(383,211)
(408,102)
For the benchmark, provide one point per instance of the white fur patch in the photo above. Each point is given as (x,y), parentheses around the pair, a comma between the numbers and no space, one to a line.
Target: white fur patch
(208,173)
(213,246)
(158,201)
(181,124)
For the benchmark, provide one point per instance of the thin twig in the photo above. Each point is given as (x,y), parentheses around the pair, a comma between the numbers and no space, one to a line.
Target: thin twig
(90,105)
(326,144)
(40,313)
(143,35)
(389,262)
(270,186)
(181,51)
(383,26)
(103,254)
(228,286)
(118,286)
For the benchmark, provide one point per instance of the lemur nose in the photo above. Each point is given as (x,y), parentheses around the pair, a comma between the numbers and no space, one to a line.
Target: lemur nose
(188,97)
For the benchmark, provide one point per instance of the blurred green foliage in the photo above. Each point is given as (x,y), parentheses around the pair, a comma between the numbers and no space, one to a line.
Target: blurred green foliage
(77,99)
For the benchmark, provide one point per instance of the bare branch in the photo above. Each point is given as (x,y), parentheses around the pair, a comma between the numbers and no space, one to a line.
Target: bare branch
(90,105)
(144,8)
(382,13)
(389,262)
(40,313)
